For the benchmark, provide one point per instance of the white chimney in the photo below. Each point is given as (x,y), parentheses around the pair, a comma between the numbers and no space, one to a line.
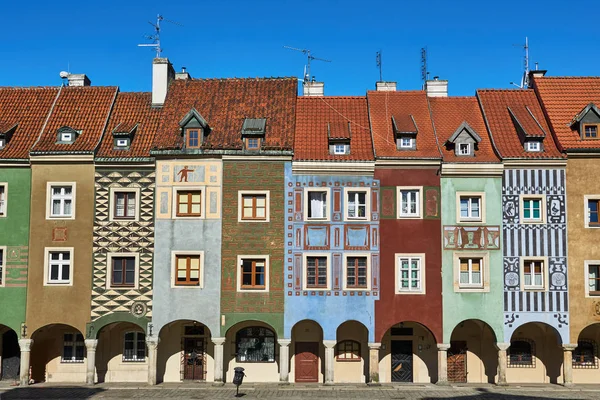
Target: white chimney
(313,88)
(436,87)
(183,75)
(385,86)
(162,74)
(78,80)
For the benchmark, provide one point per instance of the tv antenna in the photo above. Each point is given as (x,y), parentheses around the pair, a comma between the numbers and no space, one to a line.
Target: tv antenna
(155,38)
(309,58)
(378,63)
(525,79)
(424,72)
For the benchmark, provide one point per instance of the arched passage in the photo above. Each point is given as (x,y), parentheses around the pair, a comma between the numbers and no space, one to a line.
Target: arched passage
(535,354)
(10,354)
(472,356)
(351,353)
(586,362)
(58,354)
(185,352)
(408,354)
(121,354)
(308,353)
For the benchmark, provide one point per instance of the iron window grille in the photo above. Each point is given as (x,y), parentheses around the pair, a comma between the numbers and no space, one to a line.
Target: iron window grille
(348,351)
(585,355)
(73,348)
(255,345)
(134,347)
(521,354)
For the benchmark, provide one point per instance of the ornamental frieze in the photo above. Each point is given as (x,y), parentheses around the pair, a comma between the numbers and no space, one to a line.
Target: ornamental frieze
(472,237)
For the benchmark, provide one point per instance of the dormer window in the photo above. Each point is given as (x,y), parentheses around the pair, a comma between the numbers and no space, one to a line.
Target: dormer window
(193,138)
(253,132)
(464,141)
(339,135)
(533,146)
(406,142)
(405,132)
(464,149)
(590,131)
(340,148)
(6,132)
(2,143)
(194,128)
(67,135)
(123,134)
(122,143)
(587,122)
(253,143)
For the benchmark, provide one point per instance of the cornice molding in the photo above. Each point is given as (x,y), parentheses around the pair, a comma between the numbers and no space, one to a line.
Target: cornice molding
(333,168)
(62,158)
(473,169)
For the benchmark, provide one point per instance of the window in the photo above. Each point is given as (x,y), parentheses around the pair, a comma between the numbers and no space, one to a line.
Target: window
(73,348)
(193,140)
(593,273)
(188,269)
(520,354)
(348,350)
(471,271)
(125,205)
(2,199)
(2,143)
(593,206)
(584,355)
(409,202)
(470,207)
(253,143)
(356,207)
(356,273)
(255,344)
(2,264)
(590,131)
(134,347)
(317,206)
(533,146)
(62,201)
(189,203)
(533,274)
(66,137)
(339,148)
(122,142)
(409,274)
(253,274)
(406,142)
(253,206)
(122,272)
(533,209)
(59,263)
(316,272)
(464,149)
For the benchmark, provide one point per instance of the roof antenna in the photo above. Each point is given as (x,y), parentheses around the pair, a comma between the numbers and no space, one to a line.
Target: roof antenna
(155,38)
(378,62)
(309,58)
(525,79)
(424,72)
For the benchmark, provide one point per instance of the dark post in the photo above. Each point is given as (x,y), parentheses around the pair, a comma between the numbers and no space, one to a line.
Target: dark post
(238,378)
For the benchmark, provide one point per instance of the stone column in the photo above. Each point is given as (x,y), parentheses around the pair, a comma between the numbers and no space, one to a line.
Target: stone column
(284,360)
(90,370)
(442,363)
(502,363)
(568,364)
(25,345)
(329,360)
(152,344)
(374,363)
(218,342)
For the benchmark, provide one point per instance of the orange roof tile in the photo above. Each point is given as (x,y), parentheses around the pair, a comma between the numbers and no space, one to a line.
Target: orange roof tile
(85,109)
(495,105)
(563,98)
(224,104)
(29,108)
(448,115)
(384,105)
(314,114)
(131,110)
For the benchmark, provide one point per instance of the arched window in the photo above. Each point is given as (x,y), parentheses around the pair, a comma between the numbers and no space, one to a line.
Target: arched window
(521,354)
(348,350)
(134,347)
(255,344)
(584,356)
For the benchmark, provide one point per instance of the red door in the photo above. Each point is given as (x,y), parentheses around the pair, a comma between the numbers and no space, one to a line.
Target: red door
(307,362)
(193,359)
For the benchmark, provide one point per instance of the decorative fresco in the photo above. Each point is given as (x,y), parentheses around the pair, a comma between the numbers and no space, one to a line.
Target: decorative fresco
(472,237)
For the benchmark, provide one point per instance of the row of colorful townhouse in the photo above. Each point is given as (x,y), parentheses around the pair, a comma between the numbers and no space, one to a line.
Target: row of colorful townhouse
(401,236)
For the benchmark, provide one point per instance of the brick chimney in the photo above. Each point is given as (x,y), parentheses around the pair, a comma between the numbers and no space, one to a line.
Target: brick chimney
(383,86)
(78,80)
(162,75)
(436,87)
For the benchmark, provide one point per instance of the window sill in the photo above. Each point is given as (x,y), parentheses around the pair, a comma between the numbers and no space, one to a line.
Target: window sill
(534,289)
(316,219)
(534,221)
(405,292)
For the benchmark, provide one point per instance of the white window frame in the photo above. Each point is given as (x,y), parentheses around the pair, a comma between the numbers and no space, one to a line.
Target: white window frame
(481,218)
(266,193)
(533,287)
(109,257)
(460,149)
(419,190)
(47,260)
(533,145)
(122,142)
(307,203)
(242,257)
(174,255)
(367,192)
(3,249)
(5,186)
(345,271)
(111,212)
(587,264)
(542,199)
(2,143)
(485,276)
(586,216)
(49,199)
(421,269)
(202,190)
(342,146)
(135,348)
(305,271)
(410,142)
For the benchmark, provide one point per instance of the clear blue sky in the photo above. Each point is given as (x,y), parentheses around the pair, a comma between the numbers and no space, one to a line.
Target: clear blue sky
(470,43)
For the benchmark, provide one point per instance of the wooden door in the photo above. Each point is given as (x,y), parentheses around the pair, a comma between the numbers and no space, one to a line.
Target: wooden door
(457,361)
(402,361)
(307,362)
(193,359)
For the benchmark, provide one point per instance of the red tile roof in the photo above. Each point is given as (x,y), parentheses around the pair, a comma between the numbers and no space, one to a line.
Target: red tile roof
(384,105)
(448,115)
(224,104)
(85,109)
(29,108)
(495,105)
(131,110)
(563,98)
(314,114)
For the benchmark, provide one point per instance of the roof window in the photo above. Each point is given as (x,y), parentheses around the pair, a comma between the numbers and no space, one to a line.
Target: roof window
(67,135)
(194,128)
(464,141)
(339,135)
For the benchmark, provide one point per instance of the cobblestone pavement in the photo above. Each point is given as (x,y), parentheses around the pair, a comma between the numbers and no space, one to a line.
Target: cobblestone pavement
(413,392)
